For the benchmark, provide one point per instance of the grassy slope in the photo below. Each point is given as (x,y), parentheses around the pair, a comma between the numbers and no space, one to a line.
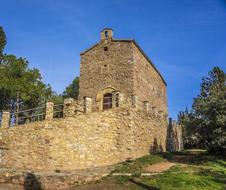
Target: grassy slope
(202,172)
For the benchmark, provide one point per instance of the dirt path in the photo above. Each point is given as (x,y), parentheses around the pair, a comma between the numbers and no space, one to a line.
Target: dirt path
(159,167)
(163,166)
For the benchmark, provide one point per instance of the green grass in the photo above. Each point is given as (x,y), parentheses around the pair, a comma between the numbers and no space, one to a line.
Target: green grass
(189,178)
(202,172)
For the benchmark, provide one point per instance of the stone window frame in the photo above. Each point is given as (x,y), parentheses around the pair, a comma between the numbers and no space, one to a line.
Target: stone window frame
(100,94)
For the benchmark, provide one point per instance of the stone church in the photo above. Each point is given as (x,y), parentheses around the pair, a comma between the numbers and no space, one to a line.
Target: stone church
(121,114)
(120,65)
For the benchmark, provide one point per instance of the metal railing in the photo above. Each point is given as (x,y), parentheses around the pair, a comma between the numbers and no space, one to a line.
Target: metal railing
(58,111)
(50,111)
(0,118)
(27,116)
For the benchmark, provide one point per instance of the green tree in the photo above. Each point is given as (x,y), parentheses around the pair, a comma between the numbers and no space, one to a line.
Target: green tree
(56,98)
(72,90)
(20,85)
(2,42)
(190,130)
(210,109)
(207,119)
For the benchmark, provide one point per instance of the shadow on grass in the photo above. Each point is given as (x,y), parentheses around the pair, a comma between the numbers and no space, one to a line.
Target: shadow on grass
(142,185)
(189,157)
(221,163)
(218,177)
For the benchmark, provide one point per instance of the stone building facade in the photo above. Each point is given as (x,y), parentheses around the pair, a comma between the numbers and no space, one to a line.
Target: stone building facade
(120,65)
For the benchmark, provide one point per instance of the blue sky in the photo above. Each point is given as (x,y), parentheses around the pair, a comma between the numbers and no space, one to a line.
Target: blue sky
(184,39)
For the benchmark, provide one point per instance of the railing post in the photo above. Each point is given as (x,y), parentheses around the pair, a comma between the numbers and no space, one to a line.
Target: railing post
(166,118)
(49,110)
(146,106)
(5,119)
(121,100)
(115,99)
(170,121)
(174,123)
(69,107)
(180,138)
(154,111)
(135,101)
(160,114)
(87,104)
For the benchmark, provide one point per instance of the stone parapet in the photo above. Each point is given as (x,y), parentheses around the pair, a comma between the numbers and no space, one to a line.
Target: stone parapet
(121,100)
(161,114)
(134,99)
(5,119)
(49,110)
(154,111)
(69,107)
(87,104)
(146,106)
(115,99)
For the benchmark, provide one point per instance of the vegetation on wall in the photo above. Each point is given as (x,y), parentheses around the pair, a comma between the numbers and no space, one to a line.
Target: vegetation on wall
(205,124)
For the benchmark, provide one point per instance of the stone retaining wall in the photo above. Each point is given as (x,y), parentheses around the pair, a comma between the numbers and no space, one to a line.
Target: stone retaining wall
(82,141)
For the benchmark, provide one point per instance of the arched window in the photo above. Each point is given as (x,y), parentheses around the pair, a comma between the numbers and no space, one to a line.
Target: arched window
(107,101)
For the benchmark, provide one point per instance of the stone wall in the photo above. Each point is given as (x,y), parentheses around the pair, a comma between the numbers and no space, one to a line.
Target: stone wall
(174,137)
(82,141)
(106,65)
(148,85)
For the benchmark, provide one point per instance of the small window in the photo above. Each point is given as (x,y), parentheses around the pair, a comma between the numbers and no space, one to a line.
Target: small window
(107,101)
(106,34)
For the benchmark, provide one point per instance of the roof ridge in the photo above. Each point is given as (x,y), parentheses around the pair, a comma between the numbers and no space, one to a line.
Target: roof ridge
(144,54)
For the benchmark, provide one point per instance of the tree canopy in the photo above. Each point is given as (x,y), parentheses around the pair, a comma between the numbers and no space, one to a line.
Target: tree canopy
(72,90)
(2,41)
(205,124)
(21,85)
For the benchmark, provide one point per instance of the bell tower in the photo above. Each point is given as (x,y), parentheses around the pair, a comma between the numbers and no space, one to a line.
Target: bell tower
(106,34)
